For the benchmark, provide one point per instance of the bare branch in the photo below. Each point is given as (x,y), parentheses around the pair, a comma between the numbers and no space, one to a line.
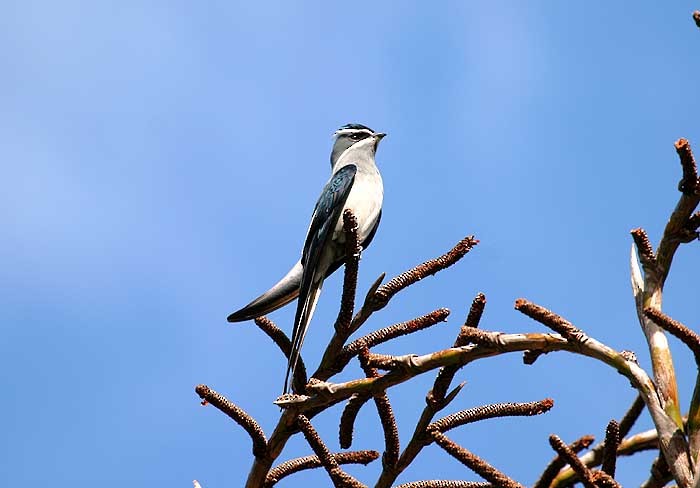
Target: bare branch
(686,335)
(491,411)
(689,184)
(280,338)
(347,419)
(612,441)
(310,462)
(646,250)
(428,268)
(572,459)
(474,317)
(550,319)
(339,477)
(445,484)
(556,464)
(474,462)
(352,262)
(386,417)
(393,331)
(604,480)
(446,375)
(644,441)
(238,415)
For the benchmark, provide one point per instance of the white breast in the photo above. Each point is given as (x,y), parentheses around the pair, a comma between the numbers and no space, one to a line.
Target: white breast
(365,201)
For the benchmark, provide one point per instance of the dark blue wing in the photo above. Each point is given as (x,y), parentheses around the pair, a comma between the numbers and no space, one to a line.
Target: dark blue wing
(327,211)
(323,222)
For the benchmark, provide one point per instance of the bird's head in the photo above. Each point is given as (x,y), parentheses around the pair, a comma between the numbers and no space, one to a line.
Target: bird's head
(356,138)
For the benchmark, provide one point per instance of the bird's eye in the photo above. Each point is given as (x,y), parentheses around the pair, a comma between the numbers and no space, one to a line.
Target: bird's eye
(358,135)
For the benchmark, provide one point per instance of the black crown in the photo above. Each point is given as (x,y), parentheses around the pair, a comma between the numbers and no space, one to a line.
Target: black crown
(356,127)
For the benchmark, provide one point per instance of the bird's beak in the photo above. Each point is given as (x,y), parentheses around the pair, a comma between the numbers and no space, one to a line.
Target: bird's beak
(378,137)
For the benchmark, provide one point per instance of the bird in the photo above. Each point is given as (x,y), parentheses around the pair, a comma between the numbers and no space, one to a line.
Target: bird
(355,183)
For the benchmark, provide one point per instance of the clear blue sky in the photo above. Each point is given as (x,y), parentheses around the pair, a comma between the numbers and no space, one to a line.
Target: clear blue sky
(160,161)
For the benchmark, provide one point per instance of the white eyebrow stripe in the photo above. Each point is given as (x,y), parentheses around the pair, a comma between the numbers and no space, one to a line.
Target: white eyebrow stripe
(352,131)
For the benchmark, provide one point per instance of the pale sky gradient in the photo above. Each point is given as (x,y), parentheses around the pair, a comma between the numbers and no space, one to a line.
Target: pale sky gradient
(160,161)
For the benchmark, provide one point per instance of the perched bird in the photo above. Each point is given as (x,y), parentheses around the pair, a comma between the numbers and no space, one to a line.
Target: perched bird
(355,183)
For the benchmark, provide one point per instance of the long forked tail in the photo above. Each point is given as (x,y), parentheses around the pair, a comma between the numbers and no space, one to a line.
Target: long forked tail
(286,290)
(305,309)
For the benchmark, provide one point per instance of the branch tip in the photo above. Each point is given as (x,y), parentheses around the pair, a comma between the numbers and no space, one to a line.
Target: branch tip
(474,462)
(550,319)
(327,460)
(238,415)
(689,184)
(348,417)
(491,411)
(645,249)
(573,460)
(393,331)
(309,462)
(556,464)
(385,292)
(285,345)
(689,337)
(612,441)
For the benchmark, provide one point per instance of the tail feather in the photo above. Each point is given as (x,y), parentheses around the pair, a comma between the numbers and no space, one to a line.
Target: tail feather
(305,311)
(286,290)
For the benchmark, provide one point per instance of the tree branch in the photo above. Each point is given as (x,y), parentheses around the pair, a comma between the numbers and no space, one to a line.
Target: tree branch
(238,415)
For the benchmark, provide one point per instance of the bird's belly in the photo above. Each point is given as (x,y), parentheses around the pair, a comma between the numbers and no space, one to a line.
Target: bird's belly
(365,201)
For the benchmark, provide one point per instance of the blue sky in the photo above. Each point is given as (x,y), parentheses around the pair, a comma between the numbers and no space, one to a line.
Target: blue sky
(160,163)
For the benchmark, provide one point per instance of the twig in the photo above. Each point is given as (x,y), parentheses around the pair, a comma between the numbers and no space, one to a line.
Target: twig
(428,268)
(689,183)
(393,331)
(644,441)
(646,250)
(604,480)
(238,415)
(550,319)
(386,417)
(347,419)
(612,441)
(689,337)
(556,464)
(310,462)
(339,477)
(352,262)
(474,462)
(280,338)
(491,411)
(570,456)
(445,484)
(446,375)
